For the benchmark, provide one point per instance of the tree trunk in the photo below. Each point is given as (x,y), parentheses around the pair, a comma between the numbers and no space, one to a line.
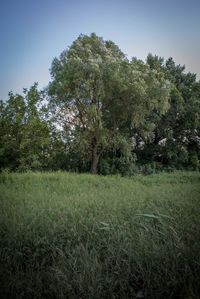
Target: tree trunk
(95,159)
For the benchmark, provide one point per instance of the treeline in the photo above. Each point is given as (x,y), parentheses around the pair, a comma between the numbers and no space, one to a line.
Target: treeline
(104,114)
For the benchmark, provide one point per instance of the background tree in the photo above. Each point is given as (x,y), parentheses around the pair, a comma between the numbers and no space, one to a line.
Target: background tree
(175,137)
(26,133)
(11,122)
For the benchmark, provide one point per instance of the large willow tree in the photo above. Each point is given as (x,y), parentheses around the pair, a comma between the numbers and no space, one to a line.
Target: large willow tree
(98,95)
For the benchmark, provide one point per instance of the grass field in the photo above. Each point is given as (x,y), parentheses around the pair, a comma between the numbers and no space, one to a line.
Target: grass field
(68,235)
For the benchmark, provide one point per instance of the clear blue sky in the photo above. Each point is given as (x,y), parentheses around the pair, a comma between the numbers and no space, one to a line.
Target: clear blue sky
(33,32)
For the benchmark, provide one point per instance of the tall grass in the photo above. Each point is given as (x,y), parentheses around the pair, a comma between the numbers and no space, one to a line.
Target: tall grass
(66,235)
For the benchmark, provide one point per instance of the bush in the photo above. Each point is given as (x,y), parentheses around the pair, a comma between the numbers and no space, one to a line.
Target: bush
(194,162)
(116,165)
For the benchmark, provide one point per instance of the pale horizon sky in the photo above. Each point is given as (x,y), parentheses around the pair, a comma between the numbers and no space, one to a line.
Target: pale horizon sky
(32,33)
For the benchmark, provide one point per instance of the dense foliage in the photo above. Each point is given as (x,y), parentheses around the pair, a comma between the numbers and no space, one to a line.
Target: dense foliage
(104,114)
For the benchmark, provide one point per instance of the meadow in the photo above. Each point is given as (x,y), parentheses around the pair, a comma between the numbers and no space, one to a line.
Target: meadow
(67,235)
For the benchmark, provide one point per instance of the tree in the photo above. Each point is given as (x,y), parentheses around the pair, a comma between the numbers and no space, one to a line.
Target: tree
(11,119)
(26,134)
(98,95)
(175,133)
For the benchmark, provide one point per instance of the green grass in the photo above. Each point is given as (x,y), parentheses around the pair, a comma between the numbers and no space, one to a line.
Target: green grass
(68,235)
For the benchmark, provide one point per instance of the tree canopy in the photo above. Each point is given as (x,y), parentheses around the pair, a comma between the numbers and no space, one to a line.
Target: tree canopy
(105,114)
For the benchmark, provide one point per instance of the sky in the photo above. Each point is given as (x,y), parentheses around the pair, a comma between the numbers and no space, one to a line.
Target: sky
(33,32)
